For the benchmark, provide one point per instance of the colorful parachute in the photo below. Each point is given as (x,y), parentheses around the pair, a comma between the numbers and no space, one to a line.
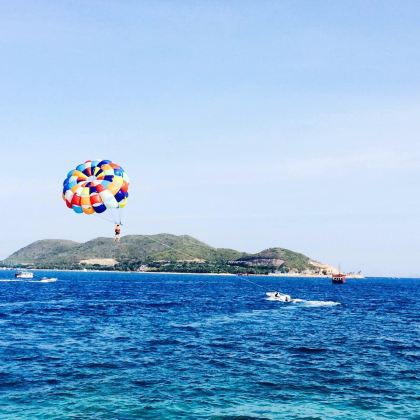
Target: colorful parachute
(96,186)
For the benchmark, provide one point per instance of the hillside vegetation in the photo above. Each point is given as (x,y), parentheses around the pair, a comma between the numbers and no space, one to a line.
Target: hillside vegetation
(162,252)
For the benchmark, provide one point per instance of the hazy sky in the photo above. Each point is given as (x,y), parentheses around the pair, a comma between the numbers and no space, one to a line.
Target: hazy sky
(247,124)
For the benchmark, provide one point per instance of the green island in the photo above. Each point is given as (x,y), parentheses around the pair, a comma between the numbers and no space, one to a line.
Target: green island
(160,253)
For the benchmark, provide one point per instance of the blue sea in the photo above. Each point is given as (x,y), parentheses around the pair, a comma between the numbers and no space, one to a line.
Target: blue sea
(152,346)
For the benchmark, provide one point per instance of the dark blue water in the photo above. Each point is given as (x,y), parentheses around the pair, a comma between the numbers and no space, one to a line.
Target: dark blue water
(103,345)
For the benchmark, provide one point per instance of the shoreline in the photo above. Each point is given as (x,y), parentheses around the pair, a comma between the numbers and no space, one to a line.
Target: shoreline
(287,275)
(294,275)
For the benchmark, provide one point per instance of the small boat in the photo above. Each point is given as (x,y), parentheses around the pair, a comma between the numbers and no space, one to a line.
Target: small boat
(338,278)
(282,297)
(24,275)
(48,279)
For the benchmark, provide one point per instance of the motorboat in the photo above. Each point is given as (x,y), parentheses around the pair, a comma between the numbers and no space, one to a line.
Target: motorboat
(24,275)
(282,297)
(48,279)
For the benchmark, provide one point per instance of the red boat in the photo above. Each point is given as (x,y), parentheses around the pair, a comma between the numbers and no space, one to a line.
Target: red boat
(338,278)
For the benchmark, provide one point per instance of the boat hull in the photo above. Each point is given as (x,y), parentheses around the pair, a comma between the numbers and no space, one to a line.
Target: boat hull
(338,279)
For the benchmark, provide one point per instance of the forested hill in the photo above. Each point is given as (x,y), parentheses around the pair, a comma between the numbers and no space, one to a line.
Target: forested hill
(162,252)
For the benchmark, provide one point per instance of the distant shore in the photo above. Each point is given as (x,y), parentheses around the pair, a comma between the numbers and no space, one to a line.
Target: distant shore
(290,275)
(327,276)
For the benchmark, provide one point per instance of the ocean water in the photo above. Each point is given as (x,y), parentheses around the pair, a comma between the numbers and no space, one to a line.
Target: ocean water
(151,346)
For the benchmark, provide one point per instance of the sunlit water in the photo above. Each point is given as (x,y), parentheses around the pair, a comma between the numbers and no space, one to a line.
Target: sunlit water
(104,345)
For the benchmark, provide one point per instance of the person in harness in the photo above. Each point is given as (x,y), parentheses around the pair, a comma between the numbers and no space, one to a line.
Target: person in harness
(117,233)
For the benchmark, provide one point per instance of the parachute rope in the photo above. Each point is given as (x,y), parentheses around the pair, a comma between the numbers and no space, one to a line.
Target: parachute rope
(191,256)
(170,247)
(104,218)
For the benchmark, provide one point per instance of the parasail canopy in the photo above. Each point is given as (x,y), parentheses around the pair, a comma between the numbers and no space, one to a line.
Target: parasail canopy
(95,187)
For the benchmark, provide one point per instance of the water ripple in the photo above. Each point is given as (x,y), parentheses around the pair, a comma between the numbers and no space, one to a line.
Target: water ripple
(109,345)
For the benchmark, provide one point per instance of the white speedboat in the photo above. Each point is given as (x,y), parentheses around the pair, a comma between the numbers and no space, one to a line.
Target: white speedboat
(282,297)
(24,275)
(48,279)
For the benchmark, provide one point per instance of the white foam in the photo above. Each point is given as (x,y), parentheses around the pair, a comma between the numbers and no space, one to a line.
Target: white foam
(28,281)
(13,280)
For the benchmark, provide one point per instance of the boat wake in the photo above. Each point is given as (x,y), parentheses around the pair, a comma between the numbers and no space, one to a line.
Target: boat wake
(14,280)
(318,303)
(49,280)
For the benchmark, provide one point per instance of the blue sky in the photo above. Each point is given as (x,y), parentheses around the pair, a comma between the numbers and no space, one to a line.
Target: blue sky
(244,124)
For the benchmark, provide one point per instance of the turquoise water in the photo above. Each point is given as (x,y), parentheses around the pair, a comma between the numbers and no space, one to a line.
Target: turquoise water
(128,346)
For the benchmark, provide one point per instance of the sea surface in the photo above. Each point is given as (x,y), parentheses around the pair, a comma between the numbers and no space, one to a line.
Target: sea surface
(150,346)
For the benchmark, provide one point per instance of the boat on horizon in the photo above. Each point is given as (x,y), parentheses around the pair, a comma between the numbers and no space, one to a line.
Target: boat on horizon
(338,278)
(24,275)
